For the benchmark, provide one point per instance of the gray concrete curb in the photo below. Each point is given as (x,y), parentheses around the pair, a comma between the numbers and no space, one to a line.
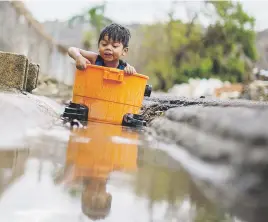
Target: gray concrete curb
(18,72)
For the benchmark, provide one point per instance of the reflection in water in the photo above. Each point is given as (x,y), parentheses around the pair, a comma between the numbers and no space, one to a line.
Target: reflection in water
(169,183)
(12,163)
(103,172)
(89,163)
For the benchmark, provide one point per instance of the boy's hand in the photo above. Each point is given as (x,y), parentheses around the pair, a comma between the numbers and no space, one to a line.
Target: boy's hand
(81,62)
(130,69)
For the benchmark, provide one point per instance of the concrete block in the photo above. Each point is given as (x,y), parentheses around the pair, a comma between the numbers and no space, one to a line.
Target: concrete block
(32,77)
(13,70)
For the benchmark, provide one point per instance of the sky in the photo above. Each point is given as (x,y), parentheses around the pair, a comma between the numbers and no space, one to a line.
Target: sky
(133,11)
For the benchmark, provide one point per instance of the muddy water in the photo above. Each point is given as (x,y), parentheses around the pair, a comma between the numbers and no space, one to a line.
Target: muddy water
(101,172)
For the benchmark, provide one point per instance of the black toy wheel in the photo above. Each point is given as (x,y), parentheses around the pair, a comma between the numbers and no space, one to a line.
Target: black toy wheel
(76,111)
(133,120)
(148,90)
(74,123)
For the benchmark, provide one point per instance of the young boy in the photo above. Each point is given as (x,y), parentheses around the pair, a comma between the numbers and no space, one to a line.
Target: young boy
(112,44)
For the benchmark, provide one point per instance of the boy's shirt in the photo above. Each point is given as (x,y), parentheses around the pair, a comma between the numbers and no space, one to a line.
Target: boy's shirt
(100,62)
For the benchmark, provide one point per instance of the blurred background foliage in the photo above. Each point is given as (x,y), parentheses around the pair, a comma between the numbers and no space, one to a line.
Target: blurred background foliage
(171,52)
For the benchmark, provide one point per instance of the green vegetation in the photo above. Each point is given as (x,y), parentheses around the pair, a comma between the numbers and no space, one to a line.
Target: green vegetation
(175,51)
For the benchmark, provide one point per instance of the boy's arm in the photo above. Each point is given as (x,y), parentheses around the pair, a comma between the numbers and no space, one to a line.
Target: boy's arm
(76,52)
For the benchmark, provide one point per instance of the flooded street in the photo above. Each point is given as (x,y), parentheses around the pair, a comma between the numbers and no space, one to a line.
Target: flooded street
(103,172)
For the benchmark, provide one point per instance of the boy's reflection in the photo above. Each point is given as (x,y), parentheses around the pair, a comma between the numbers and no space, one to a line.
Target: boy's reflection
(90,162)
(96,201)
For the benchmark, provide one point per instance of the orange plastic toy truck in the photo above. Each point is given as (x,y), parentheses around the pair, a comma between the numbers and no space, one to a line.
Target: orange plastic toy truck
(107,95)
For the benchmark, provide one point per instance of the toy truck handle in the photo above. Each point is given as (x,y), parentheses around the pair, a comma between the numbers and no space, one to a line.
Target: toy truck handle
(114,74)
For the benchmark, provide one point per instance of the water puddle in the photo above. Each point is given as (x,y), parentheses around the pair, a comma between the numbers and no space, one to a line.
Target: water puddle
(103,172)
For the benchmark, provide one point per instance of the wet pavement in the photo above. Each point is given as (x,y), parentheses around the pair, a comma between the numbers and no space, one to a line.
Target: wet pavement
(107,173)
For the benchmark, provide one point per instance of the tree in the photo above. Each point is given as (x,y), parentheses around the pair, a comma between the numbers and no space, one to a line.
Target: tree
(234,31)
(225,49)
(95,18)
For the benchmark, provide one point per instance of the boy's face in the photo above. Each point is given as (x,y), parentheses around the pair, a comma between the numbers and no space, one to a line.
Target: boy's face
(110,50)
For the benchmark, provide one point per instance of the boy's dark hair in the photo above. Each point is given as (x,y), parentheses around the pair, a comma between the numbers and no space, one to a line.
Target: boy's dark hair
(116,32)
